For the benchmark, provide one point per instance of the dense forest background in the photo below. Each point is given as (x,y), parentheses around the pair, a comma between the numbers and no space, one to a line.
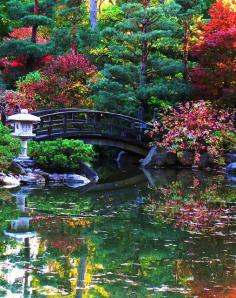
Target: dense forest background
(117,55)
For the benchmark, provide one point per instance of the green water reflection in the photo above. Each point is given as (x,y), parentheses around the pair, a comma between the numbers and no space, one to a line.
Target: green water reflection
(121,239)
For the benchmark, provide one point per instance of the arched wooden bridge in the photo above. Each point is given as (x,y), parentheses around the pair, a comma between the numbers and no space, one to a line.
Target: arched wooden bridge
(94,127)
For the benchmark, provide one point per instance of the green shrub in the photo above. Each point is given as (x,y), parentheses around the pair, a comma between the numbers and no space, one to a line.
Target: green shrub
(9,148)
(61,155)
(228,139)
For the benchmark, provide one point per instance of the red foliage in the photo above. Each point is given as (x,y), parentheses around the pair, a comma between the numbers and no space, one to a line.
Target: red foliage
(193,126)
(12,69)
(60,233)
(25,33)
(214,77)
(64,83)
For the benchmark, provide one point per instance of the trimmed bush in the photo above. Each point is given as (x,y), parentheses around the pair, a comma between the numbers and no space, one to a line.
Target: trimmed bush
(61,155)
(9,148)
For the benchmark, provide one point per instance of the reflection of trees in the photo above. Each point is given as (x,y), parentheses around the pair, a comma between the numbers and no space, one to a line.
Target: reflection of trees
(201,205)
(60,232)
(210,263)
(194,205)
(130,254)
(113,245)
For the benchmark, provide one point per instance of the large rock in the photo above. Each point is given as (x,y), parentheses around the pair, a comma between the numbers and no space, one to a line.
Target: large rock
(205,161)
(231,168)
(74,180)
(186,158)
(230,157)
(58,178)
(10,181)
(27,163)
(32,178)
(88,172)
(159,158)
(17,169)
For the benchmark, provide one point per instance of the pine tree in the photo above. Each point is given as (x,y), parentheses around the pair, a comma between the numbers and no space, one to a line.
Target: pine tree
(69,16)
(25,14)
(145,53)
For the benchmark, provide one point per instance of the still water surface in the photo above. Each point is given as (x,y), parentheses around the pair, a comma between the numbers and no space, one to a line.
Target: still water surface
(154,234)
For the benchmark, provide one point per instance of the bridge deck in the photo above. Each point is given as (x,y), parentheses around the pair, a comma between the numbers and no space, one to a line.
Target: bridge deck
(96,127)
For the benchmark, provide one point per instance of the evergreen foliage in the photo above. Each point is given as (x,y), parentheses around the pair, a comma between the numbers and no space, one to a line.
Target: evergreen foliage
(144,59)
(61,154)
(9,148)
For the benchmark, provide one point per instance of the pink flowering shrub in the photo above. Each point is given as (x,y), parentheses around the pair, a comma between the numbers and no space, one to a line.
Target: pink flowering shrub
(197,127)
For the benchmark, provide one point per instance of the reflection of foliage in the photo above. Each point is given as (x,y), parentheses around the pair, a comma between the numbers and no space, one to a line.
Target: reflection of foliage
(62,233)
(8,210)
(193,216)
(124,249)
(60,202)
(196,207)
(5,195)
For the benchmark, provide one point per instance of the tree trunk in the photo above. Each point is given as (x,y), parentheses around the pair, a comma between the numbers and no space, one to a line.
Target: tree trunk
(186,51)
(144,59)
(93,14)
(74,42)
(34,34)
(35,27)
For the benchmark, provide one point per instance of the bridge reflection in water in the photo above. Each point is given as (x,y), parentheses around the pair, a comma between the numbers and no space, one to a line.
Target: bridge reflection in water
(94,127)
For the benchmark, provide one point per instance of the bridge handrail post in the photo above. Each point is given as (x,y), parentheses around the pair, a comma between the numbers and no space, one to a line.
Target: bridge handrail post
(49,126)
(90,123)
(65,123)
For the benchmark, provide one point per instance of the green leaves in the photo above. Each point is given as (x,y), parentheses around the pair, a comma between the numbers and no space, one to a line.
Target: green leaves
(36,20)
(61,155)
(129,44)
(15,47)
(9,148)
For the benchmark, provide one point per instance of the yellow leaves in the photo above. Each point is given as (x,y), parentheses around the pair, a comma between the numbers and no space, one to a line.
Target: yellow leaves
(100,51)
(231,3)
(196,32)
(102,291)
(81,222)
(98,266)
(55,266)
(60,7)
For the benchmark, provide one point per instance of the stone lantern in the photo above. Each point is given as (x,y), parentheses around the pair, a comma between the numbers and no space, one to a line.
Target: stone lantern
(23,129)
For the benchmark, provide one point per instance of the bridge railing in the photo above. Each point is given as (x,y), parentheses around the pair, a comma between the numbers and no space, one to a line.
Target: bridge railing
(69,122)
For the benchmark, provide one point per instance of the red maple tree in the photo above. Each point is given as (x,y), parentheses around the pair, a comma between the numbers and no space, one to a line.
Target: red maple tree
(214,76)
(64,82)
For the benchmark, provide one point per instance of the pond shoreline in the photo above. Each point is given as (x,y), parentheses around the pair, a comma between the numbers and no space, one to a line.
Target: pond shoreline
(27,172)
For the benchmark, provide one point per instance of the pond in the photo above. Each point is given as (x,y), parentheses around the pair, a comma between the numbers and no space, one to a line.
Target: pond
(162,233)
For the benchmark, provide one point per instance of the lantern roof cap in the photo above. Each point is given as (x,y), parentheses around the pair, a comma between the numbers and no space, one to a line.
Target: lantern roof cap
(24,116)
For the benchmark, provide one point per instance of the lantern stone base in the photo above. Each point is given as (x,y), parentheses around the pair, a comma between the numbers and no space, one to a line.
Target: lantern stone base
(25,162)
(21,158)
